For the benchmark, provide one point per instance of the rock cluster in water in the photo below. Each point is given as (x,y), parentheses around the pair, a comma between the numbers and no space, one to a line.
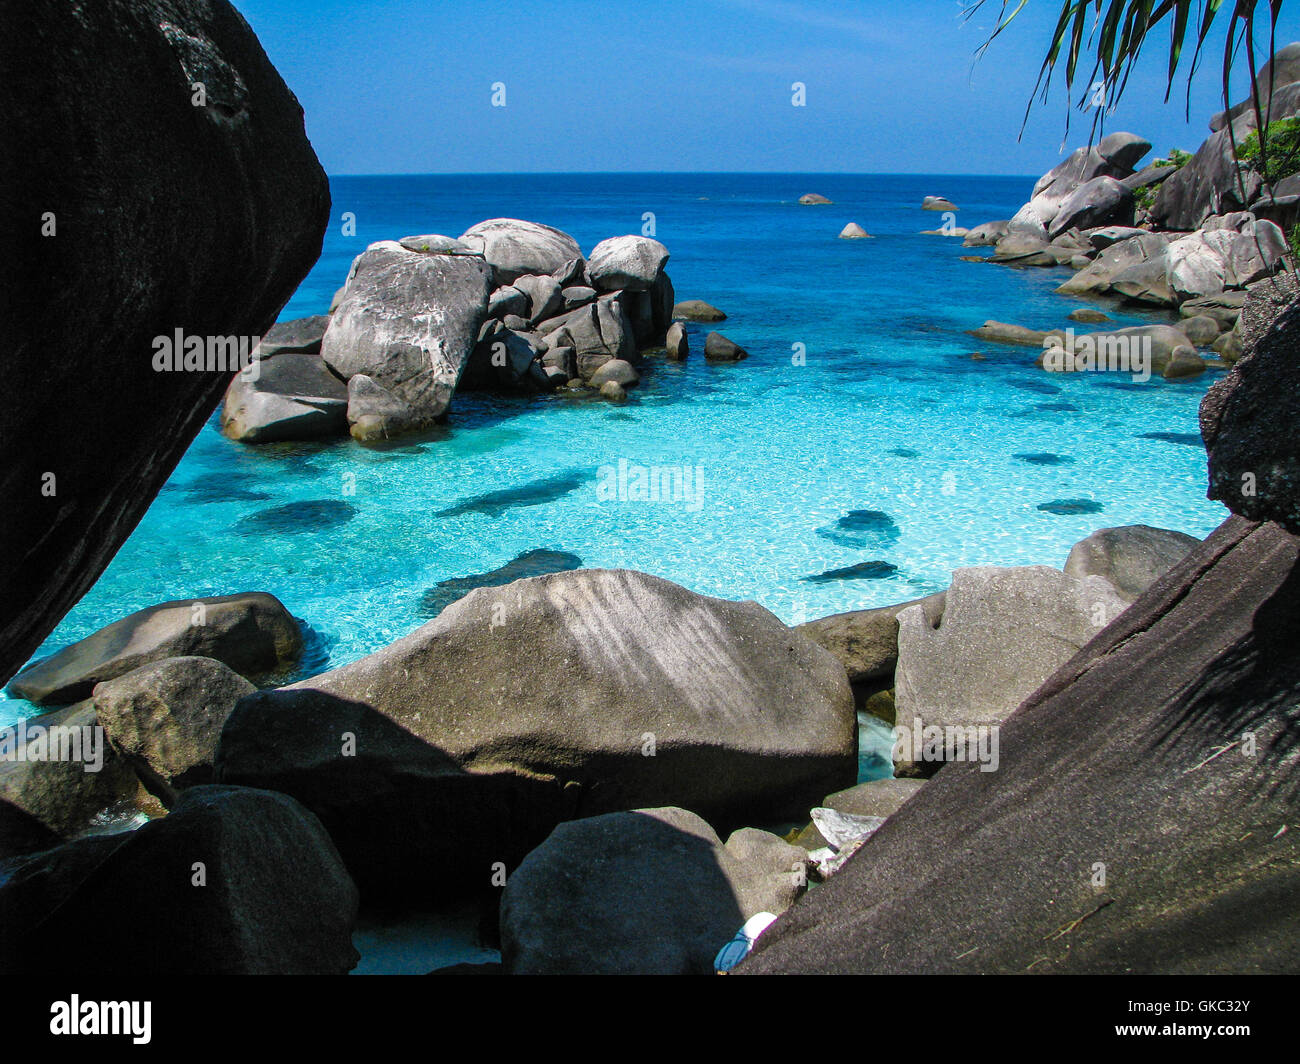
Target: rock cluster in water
(508,305)
(1191,235)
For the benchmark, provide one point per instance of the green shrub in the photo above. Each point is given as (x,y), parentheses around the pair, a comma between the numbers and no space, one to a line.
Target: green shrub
(1178,157)
(1281,155)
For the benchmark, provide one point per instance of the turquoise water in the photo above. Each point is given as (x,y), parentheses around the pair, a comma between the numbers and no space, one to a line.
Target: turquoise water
(889,414)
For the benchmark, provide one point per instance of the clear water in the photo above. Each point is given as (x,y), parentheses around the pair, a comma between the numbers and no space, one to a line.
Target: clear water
(785,450)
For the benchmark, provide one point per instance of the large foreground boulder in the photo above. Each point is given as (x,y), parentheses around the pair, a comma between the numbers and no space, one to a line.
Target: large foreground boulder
(231,882)
(131,220)
(554,697)
(650,892)
(407,323)
(1136,822)
(252,633)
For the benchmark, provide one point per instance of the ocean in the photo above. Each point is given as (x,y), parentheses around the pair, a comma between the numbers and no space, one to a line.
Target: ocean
(860,429)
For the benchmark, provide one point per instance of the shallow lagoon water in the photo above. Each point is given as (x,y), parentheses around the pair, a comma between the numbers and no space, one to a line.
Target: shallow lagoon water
(970,461)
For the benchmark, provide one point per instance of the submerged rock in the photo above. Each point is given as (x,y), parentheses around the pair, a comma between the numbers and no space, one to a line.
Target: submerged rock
(531,563)
(214,900)
(813,199)
(648,892)
(252,633)
(561,696)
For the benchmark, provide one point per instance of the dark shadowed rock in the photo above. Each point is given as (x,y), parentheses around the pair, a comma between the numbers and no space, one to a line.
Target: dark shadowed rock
(650,892)
(523,706)
(60,773)
(1112,760)
(1099,202)
(1213,182)
(300,336)
(232,882)
(167,216)
(1249,419)
(252,633)
(164,718)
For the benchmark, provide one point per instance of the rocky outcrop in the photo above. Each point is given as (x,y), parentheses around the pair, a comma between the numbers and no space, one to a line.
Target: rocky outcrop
(633,263)
(1137,808)
(440,755)
(697,310)
(145,217)
(193,893)
(718,348)
(252,633)
(865,641)
(649,892)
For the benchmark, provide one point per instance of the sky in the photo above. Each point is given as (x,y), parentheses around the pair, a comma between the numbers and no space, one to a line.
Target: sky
(408,86)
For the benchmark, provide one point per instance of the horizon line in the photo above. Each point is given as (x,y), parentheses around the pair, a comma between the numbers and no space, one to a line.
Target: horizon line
(679,173)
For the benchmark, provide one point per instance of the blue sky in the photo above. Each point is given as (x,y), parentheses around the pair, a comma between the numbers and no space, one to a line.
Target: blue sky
(405,86)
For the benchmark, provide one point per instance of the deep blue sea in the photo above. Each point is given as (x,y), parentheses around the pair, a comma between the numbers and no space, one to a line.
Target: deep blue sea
(890,413)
